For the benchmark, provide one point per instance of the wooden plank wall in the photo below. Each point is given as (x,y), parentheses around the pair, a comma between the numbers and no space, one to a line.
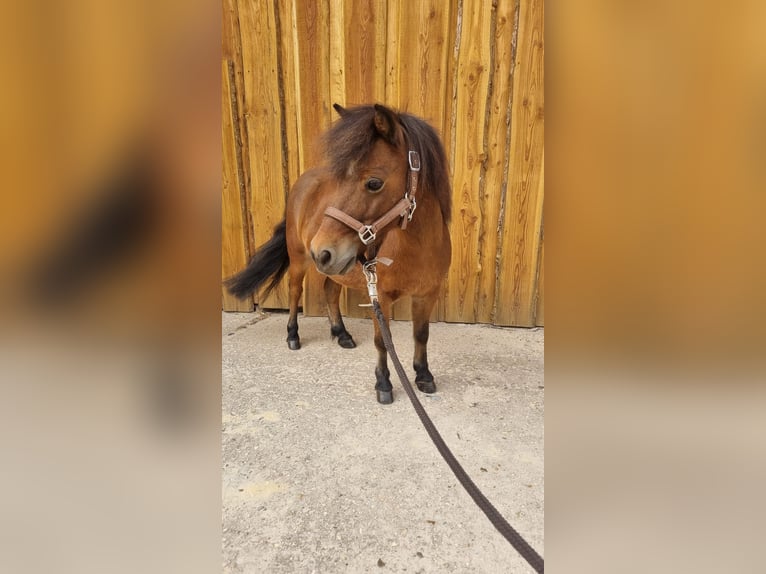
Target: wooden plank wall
(473,68)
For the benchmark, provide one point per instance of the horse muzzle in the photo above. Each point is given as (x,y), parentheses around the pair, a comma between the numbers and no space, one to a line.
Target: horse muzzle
(331,262)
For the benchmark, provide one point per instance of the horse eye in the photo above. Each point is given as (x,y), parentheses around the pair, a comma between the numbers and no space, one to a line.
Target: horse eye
(374,184)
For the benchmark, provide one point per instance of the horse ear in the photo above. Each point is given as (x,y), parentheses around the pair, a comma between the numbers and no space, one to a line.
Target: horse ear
(385,123)
(340,109)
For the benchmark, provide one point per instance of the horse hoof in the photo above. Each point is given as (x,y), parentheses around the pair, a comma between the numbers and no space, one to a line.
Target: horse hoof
(347,343)
(294,344)
(385,397)
(426,386)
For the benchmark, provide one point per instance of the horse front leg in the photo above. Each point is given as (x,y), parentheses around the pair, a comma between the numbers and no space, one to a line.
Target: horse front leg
(337,327)
(421,316)
(383,388)
(296,273)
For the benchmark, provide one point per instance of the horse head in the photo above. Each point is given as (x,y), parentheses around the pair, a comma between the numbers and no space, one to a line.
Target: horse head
(367,156)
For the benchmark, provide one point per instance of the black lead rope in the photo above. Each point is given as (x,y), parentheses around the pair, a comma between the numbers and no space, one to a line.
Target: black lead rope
(522,547)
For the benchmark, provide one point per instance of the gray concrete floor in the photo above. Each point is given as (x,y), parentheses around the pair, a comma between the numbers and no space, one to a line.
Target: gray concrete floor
(320,478)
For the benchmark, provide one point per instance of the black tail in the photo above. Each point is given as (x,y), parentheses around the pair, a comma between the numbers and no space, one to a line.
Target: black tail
(270,261)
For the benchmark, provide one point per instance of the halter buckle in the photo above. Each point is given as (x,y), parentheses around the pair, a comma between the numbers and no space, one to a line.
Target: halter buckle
(367,235)
(414,158)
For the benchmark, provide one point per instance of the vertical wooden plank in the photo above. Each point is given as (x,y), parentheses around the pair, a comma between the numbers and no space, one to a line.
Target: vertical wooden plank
(313,62)
(313,74)
(523,208)
(263,119)
(450,120)
(496,147)
(234,254)
(472,77)
(338,32)
(232,50)
(290,94)
(380,21)
(365,51)
(423,55)
(393,30)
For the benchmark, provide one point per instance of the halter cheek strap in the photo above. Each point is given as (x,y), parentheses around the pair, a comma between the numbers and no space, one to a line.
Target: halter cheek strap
(413,158)
(404,208)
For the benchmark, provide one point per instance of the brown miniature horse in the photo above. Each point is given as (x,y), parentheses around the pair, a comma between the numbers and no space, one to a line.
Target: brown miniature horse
(382,192)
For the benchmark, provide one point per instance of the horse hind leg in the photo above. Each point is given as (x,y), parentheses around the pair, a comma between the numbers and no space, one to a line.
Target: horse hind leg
(296,273)
(337,327)
(421,316)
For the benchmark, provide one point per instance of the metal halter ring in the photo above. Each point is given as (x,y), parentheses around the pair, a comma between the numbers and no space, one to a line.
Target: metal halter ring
(367,235)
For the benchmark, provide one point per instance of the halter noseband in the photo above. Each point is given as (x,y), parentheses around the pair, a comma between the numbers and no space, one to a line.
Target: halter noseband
(404,208)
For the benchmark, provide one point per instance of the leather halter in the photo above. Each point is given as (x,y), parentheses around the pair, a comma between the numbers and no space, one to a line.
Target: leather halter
(404,208)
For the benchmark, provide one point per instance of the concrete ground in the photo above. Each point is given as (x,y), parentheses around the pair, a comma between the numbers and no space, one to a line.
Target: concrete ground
(320,478)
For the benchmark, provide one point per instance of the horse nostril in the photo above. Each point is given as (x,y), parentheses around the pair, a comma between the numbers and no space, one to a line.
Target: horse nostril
(324,257)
